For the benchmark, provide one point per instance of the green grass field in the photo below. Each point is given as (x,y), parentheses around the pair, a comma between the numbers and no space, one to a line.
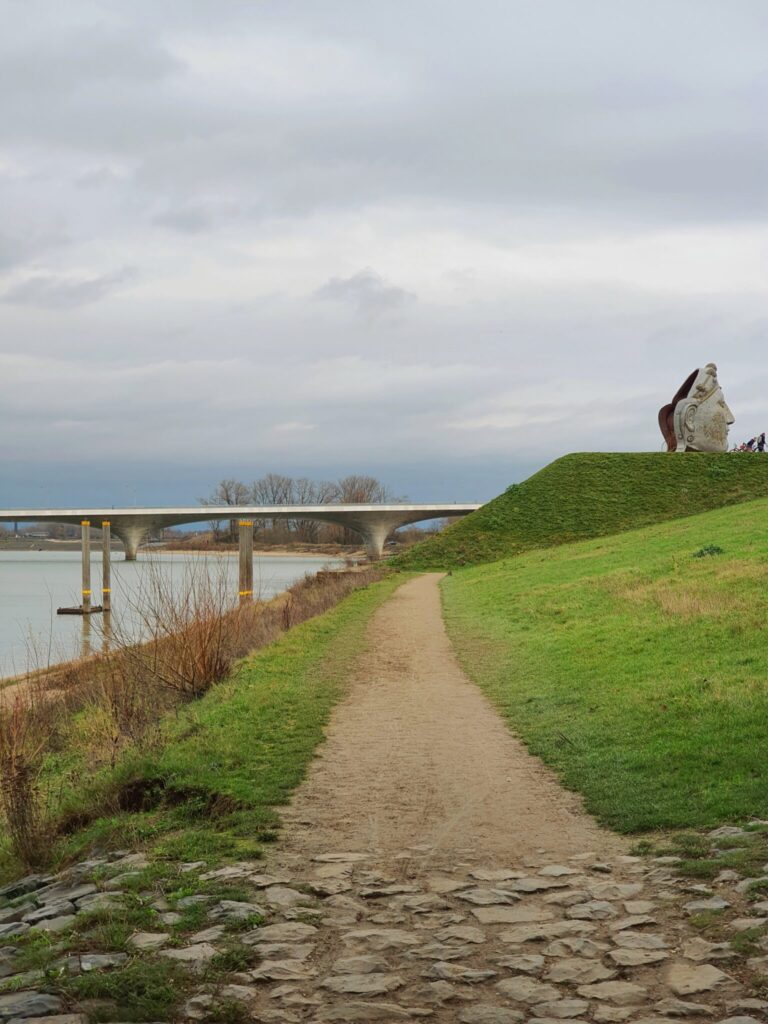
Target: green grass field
(592,495)
(635,669)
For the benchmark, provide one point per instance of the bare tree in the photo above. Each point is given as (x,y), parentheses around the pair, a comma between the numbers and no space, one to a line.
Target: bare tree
(362,490)
(276,489)
(228,492)
(311,492)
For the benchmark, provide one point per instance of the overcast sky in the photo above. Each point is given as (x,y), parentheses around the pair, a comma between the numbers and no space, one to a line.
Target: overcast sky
(439,241)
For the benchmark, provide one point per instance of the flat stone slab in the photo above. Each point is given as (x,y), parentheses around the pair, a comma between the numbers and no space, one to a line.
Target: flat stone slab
(686,980)
(578,971)
(29,1004)
(283,970)
(439,951)
(594,910)
(195,956)
(291,931)
(526,990)
(460,933)
(576,946)
(678,1008)
(284,950)
(623,993)
(494,874)
(524,963)
(369,984)
(283,896)
(486,1013)
(700,950)
(561,1009)
(487,897)
(537,884)
(85,963)
(58,909)
(234,910)
(381,939)
(637,957)
(360,965)
(519,914)
(457,972)
(546,930)
(640,940)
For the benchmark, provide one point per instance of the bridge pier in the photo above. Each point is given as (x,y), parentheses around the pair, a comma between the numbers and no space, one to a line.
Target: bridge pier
(133,536)
(106,565)
(86,556)
(375,537)
(246,561)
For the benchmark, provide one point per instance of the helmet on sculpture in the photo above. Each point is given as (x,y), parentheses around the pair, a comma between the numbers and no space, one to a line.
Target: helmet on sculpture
(697,419)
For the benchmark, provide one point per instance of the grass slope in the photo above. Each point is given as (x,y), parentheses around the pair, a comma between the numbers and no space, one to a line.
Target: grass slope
(635,669)
(209,789)
(591,495)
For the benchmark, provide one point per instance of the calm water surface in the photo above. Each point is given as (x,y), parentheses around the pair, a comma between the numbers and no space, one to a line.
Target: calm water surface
(33,584)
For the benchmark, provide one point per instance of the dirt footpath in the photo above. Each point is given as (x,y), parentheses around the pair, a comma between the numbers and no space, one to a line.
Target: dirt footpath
(416,755)
(431,868)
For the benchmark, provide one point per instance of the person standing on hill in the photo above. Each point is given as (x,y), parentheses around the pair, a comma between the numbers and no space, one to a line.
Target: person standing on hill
(761,442)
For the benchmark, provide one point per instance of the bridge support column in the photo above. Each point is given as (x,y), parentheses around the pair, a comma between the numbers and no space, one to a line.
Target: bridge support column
(86,552)
(374,536)
(106,566)
(246,561)
(132,536)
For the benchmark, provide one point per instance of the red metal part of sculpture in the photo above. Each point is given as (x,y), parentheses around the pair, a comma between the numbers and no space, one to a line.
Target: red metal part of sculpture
(667,412)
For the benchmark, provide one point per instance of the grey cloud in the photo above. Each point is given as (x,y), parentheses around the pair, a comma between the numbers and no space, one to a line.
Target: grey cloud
(244,153)
(47,291)
(368,294)
(12,252)
(591,111)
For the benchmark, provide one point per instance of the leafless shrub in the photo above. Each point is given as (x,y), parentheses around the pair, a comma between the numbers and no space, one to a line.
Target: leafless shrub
(27,724)
(187,631)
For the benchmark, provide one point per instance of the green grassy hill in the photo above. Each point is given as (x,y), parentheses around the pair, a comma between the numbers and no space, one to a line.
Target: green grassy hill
(592,495)
(635,665)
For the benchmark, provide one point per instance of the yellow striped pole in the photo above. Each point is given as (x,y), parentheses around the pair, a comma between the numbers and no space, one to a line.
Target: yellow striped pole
(246,561)
(86,552)
(106,565)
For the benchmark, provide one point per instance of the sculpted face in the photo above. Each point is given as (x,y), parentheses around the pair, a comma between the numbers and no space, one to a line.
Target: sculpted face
(698,418)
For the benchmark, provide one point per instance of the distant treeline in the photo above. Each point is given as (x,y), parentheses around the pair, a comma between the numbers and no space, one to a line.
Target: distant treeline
(276,489)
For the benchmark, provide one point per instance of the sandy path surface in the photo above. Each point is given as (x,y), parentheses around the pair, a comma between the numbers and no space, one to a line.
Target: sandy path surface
(416,755)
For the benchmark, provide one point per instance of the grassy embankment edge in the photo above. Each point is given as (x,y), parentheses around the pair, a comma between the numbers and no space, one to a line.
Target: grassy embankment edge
(208,789)
(592,494)
(632,668)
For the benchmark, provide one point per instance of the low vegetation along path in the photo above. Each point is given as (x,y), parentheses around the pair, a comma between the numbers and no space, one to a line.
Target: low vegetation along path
(454,879)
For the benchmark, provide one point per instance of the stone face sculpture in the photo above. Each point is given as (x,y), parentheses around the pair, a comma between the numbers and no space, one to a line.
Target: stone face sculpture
(697,419)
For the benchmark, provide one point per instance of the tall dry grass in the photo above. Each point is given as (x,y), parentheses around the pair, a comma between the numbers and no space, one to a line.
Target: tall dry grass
(187,637)
(28,724)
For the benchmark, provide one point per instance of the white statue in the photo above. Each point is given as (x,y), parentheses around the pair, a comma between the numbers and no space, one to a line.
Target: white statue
(698,418)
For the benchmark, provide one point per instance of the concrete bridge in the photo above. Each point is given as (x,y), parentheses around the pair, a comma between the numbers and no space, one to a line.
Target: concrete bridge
(373,523)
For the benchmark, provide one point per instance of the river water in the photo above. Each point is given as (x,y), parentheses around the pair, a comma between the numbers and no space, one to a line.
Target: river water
(33,584)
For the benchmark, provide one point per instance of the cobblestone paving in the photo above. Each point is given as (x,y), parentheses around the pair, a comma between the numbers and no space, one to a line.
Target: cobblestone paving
(348,938)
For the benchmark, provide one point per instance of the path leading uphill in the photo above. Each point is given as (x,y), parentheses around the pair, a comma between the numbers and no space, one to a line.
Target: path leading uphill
(416,755)
(431,868)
